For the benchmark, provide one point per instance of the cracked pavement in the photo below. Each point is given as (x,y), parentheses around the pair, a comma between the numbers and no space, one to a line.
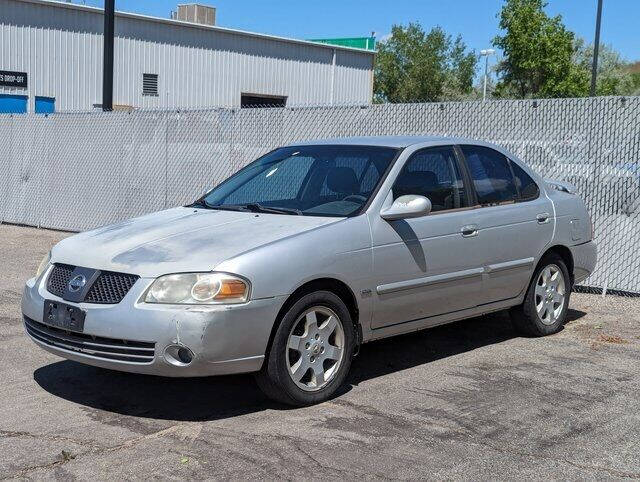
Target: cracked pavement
(471,400)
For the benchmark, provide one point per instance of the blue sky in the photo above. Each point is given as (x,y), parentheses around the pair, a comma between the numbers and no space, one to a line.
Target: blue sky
(474,19)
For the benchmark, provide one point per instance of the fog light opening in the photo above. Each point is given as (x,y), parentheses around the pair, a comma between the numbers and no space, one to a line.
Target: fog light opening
(185,355)
(178,355)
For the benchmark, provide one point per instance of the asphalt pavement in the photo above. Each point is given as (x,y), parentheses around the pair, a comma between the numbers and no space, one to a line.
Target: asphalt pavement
(471,400)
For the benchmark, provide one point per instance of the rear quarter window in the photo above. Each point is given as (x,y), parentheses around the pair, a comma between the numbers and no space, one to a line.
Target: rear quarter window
(527,187)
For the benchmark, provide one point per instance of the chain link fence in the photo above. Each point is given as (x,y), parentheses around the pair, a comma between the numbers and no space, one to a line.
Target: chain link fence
(76,171)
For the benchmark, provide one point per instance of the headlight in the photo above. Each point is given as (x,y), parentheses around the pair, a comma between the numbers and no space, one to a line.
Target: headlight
(43,265)
(198,289)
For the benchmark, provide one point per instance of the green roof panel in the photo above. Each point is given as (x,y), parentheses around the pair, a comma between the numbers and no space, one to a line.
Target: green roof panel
(367,43)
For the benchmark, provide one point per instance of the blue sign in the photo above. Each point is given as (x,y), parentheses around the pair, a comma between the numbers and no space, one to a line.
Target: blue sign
(13,104)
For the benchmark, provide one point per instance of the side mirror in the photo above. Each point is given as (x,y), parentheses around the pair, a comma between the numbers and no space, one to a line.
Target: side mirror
(409,206)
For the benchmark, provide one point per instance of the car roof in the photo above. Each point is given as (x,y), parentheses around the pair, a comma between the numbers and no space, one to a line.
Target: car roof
(401,142)
(388,141)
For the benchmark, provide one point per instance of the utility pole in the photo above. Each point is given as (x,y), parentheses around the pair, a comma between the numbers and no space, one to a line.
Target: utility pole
(485,53)
(107,59)
(596,48)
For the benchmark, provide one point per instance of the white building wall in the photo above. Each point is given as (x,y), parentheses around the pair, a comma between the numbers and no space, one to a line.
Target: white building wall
(354,77)
(59,45)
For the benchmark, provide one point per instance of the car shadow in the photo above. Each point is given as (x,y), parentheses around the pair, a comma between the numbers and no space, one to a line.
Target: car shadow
(390,355)
(214,398)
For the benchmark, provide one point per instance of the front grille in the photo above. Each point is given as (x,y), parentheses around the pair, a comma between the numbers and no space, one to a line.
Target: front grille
(95,346)
(110,288)
(59,279)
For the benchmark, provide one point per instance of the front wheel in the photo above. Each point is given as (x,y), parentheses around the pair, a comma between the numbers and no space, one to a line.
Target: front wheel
(311,352)
(544,309)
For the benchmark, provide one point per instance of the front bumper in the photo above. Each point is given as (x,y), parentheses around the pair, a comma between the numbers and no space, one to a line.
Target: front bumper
(224,339)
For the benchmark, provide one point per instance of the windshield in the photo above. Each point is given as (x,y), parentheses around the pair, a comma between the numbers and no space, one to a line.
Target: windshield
(322,180)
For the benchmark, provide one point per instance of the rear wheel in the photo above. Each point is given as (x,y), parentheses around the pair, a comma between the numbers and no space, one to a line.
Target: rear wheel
(545,305)
(311,351)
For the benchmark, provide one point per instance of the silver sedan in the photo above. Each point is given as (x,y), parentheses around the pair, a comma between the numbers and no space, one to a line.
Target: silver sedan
(292,263)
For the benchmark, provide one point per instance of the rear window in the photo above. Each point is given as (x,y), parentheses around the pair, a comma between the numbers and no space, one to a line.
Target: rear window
(491,175)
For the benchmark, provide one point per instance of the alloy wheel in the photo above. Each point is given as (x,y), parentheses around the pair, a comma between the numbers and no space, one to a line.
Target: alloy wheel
(315,348)
(550,294)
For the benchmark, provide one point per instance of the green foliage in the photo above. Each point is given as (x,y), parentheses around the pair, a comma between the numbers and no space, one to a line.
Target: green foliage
(635,78)
(634,71)
(544,59)
(538,54)
(415,66)
(614,74)
(541,58)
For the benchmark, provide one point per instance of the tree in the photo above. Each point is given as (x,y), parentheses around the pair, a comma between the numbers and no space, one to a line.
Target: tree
(538,54)
(415,66)
(614,74)
(478,88)
(634,70)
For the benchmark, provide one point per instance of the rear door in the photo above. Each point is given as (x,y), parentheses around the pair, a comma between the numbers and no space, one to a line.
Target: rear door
(515,222)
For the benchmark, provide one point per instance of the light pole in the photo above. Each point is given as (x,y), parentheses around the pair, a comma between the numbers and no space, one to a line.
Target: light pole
(596,48)
(485,53)
(107,56)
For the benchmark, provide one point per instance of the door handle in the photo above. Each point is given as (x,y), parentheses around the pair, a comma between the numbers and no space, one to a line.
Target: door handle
(542,218)
(469,230)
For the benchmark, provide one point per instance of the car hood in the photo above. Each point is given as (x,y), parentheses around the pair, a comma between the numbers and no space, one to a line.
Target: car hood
(179,240)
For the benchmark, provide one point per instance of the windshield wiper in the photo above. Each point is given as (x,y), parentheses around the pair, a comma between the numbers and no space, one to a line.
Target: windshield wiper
(259,208)
(221,207)
(230,207)
(200,203)
(250,207)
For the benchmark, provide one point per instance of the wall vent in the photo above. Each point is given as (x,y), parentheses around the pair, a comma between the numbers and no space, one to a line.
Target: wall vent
(150,85)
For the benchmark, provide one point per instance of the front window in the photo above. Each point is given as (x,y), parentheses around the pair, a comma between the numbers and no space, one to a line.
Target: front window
(318,180)
(433,173)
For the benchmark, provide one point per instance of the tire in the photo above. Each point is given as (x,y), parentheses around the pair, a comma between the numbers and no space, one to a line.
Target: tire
(314,352)
(535,318)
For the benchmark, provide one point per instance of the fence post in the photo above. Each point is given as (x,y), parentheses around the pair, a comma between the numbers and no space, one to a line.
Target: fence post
(166,158)
(233,139)
(42,170)
(7,160)
(595,219)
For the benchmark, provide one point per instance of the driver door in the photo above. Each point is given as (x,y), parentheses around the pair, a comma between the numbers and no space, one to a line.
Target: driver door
(427,266)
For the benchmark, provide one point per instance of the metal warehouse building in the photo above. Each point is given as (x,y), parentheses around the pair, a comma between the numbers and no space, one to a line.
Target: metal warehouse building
(51,60)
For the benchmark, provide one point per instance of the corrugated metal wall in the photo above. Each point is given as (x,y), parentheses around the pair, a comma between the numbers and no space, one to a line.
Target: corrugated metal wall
(65,64)
(60,47)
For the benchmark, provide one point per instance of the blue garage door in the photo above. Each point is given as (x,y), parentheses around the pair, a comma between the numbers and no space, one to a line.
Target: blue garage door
(45,105)
(13,104)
